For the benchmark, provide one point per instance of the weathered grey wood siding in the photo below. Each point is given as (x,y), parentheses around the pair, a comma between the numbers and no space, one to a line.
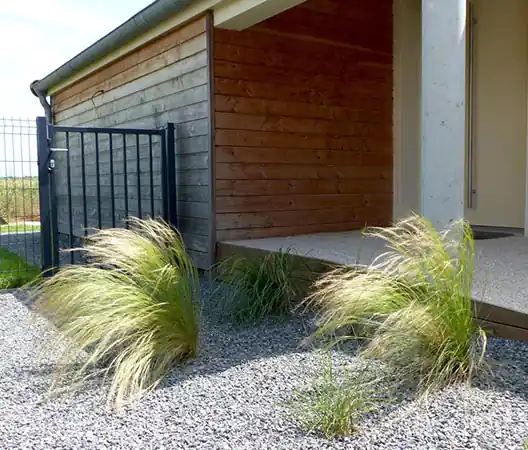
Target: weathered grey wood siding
(167,80)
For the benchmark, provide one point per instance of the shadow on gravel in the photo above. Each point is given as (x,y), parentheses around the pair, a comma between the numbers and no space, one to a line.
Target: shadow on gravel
(23,295)
(508,361)
(224,347)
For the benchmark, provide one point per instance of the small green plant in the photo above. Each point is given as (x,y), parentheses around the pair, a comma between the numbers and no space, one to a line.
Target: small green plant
(14,270)
(133,309)
(526,445)
(413,304)
(260,288)
(334,405)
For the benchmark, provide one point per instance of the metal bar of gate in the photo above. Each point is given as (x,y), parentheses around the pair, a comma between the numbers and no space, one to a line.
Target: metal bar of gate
(64,129)
(83,168)
(49,231)
(98,181)
(46,193)
(138,168)
(125,177)
(169,175)
(70,207)
(112,187)
(151,168)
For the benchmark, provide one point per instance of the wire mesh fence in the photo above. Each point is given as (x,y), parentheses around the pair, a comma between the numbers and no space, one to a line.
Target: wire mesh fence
(19,202)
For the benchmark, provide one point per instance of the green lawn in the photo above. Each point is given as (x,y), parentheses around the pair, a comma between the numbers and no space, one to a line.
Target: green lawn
(15,271)
(18,228)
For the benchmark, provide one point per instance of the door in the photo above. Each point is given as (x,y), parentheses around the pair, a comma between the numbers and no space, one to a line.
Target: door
(499,110)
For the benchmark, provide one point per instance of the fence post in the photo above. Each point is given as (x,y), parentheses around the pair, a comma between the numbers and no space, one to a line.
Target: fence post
(48,221)
(171,200)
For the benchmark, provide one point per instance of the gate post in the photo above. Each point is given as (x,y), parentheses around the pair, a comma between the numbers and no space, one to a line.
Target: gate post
(169,173)
(48,217)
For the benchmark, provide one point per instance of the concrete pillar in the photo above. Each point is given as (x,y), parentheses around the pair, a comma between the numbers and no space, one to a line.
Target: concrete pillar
(443,110)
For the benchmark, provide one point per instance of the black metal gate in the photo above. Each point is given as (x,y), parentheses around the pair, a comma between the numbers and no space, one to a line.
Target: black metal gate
(92,178)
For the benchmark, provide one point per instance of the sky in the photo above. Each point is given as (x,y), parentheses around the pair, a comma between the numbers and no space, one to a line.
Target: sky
(38,36)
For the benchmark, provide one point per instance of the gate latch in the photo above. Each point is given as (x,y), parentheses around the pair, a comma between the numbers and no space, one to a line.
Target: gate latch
(52,161)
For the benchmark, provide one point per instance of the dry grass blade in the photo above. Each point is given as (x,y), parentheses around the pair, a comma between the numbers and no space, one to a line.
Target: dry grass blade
(413,304)
(133,308)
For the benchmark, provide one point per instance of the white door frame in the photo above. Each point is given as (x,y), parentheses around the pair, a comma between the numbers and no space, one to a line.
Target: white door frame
(402,140)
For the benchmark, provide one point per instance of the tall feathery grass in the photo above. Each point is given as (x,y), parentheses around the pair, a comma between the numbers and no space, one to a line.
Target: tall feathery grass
(334,404)
(262,287)
(412,305)
(133,308)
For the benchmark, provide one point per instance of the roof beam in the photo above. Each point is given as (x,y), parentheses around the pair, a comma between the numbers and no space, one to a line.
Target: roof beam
(242,14)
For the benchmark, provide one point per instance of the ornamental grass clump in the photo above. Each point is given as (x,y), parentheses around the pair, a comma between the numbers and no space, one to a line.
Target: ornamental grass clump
(412,305)
(334,405)
(133,309)
(262,287)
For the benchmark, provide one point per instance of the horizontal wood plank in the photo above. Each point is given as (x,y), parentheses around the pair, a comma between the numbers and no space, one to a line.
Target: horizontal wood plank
(257,155)
(296,187)
(237,121)
(265,79)
(287,203)
(148,51)
(196,242)
(105,108)
(260,233)
(165,81)
(244,171)
(147,87)
(303,117)
(270,107)
(292,218)
(273,139)
(259,37)
(309,62)
(195,58)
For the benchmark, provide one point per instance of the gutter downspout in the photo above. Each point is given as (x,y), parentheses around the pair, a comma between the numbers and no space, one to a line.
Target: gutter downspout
(43,101)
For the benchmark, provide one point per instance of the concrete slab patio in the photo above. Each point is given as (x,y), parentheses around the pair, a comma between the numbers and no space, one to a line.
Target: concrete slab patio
(501,269)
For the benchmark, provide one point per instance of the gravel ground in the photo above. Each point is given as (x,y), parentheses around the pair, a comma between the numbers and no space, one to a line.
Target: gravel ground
(234,396)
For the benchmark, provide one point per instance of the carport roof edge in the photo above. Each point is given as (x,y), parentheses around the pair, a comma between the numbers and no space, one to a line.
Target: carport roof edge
(146,19)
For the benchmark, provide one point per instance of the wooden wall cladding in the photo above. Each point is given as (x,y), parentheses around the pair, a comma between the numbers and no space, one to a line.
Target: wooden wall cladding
(303,121)
(166,80)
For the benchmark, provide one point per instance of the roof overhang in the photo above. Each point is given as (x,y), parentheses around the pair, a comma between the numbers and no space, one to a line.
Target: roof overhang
(151,22)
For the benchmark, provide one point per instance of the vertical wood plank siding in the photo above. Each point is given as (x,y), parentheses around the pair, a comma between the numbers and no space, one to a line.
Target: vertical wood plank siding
(167,80)
(303,119)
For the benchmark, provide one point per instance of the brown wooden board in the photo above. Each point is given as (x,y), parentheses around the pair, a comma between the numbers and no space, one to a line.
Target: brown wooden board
(303,121)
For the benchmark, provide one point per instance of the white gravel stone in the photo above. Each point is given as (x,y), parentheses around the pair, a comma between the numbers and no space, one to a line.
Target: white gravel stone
(235,396)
